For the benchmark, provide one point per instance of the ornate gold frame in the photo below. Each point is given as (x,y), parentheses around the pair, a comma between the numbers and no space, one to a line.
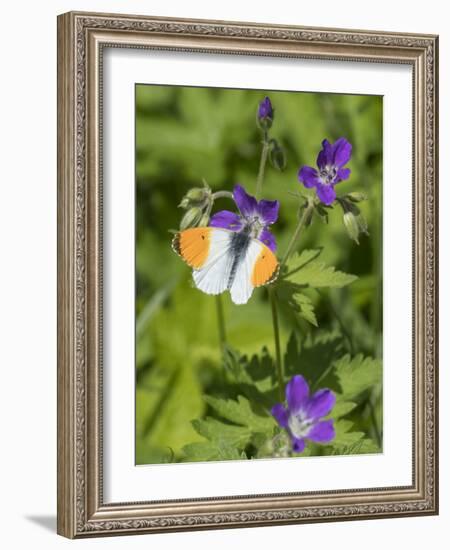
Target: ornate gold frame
(81,38)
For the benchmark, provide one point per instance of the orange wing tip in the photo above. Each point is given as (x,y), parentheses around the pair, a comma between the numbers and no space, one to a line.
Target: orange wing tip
(192,245)
(274,275)
(266,268)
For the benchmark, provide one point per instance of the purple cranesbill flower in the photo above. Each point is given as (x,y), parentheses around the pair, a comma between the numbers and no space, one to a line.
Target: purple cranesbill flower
(303,416)
(330,169)
(254,218)
(265,109)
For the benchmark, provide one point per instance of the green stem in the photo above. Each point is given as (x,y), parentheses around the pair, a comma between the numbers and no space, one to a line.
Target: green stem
(276,333)
(222,194)
(221,322)
(303,219)
(262,165)
(325,373)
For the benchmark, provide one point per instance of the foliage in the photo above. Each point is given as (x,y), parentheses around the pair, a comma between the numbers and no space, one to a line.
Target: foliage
(235,429)
(194,400)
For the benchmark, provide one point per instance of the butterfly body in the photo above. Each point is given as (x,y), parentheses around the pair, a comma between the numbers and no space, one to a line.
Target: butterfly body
(226,260)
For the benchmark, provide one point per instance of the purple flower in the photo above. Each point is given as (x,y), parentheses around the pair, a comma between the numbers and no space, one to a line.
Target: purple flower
(255,217)
(330,164)
(265,109)
(302,417)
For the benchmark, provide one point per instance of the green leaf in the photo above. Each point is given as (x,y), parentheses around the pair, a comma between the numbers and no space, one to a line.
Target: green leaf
(254,377)
(240,412)
(314,358)
(305,307)
(351,442)
(342,407)
(305,270)
(357,375)
(228,441)
(223,434)
(202,451)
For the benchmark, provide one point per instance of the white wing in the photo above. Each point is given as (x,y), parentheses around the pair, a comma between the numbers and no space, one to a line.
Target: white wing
(242,286)
(213,276)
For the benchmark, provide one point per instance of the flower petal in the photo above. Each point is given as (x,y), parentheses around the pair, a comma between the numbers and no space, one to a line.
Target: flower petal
(322,432)
(246,203)
(297,392)
(325,156)
(320,404)
(280,414)
(308,176)
(226,220)
(298,444)
(342,151)
(268,211)
(268,239)
(342,174)
(326,193)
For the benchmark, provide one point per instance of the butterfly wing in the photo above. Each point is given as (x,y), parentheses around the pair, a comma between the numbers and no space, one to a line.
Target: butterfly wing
(208,251)
(258,267)
(217,267)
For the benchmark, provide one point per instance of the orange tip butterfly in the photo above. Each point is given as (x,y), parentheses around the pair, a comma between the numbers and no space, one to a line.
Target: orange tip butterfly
(226,260)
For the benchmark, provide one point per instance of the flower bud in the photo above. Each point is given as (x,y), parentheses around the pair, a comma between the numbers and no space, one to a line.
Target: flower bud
(196,194)
(191,218)
(265,109)
(357,197)
(204,220)
(348,206)
(351,225)
(265,114)
(355,224)
(184,203)
(362,224)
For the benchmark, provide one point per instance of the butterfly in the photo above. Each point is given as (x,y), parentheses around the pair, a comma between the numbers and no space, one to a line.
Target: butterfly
(226,260)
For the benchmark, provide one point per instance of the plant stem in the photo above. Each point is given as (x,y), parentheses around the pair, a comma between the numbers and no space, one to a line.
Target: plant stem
(221,322)
(222,194)
(276,333)
(304,217)
(262,165)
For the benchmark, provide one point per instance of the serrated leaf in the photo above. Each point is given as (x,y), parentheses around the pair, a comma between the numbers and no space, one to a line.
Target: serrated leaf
(305,307)
(240,412)
(351,442)
(314,358)
(254,378)
(248,427)
(223,434)
(342,408)
(357,375)
(202,451)
(344,433)
(305,270)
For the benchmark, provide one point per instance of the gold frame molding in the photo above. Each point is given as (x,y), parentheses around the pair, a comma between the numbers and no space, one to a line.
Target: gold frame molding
(81,39)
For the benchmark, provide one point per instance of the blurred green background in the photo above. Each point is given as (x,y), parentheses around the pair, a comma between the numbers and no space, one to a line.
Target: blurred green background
(184,134)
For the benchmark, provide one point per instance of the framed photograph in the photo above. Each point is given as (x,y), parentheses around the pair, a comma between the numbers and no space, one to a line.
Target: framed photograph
(247,276)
